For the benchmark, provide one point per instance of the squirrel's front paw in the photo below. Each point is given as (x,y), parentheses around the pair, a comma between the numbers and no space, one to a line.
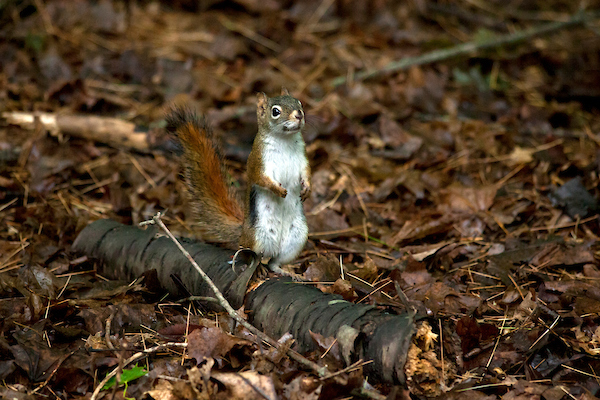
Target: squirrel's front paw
(280,191)
(305,191)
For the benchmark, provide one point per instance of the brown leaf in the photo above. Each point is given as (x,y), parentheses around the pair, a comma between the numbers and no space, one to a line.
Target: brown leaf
(560,254)
(329,345)
(416,278)
(212,342)
(328,224)
(469,200)
(123,315)
(420,228)
(162,391)
(323,269)
(345,289)
(178,330)
(367,271)
(303,388)
(241,385)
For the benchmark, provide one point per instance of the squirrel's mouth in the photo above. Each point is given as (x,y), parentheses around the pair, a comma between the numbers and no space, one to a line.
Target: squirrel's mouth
(291,126)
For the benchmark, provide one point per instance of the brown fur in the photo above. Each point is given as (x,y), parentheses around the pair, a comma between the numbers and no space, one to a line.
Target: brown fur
(306,182)
(255,164)
(219,214)
(257,177)
(248,238)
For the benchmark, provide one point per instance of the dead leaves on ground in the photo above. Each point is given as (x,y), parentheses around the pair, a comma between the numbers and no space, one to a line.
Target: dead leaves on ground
(466,191)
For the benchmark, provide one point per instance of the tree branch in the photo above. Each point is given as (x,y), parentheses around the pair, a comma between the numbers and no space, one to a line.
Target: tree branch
(470,48)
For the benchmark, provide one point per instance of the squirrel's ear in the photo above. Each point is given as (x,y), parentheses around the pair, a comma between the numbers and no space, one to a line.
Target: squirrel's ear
(261,103)
(284,92)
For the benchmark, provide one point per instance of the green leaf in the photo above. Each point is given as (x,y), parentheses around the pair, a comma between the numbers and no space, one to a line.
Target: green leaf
(109,384)
(132,374)
(127,376)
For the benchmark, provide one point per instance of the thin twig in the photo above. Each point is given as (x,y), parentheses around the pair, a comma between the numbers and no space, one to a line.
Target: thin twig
(319,370)
(442,380)
(137,356)
(359,364)
(107,330)
(250,34)
(497,342)
(56,368)
(254,387)
(469,48)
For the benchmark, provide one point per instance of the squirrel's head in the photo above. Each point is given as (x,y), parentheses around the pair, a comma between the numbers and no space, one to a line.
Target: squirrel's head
(281,115)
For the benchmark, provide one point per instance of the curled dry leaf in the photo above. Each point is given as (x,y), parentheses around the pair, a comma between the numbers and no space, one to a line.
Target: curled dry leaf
(212,342)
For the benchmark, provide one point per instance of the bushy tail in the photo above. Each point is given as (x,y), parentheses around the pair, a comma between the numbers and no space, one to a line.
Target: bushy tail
(218,212)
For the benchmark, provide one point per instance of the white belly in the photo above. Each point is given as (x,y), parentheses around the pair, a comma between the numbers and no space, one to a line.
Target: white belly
(281,225)
(284,160)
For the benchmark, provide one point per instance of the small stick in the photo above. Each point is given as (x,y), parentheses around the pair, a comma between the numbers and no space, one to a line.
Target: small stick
(469,48)
(349,368)
(254,387)
(107,330)
(250,34)
(137,356)
(112,131)
(321,371)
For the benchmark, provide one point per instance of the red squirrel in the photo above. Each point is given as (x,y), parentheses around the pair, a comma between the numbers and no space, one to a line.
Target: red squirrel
(271,221)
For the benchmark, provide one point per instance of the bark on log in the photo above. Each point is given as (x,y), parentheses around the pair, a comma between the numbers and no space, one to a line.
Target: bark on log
(126,252)
(276,306)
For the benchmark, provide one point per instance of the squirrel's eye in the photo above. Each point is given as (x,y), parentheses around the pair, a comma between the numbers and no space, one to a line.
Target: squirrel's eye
(276,111)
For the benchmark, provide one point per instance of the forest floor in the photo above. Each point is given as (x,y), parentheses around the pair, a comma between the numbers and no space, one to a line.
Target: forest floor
(467,179)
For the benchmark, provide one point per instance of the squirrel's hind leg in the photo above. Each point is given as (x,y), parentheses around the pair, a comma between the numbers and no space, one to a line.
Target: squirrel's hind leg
(291,245)
(275,267)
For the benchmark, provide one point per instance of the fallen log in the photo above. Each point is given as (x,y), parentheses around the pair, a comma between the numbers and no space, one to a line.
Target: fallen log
(276,306)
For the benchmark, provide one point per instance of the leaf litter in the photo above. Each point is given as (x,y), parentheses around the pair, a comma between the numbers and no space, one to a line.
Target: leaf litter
(465,191)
